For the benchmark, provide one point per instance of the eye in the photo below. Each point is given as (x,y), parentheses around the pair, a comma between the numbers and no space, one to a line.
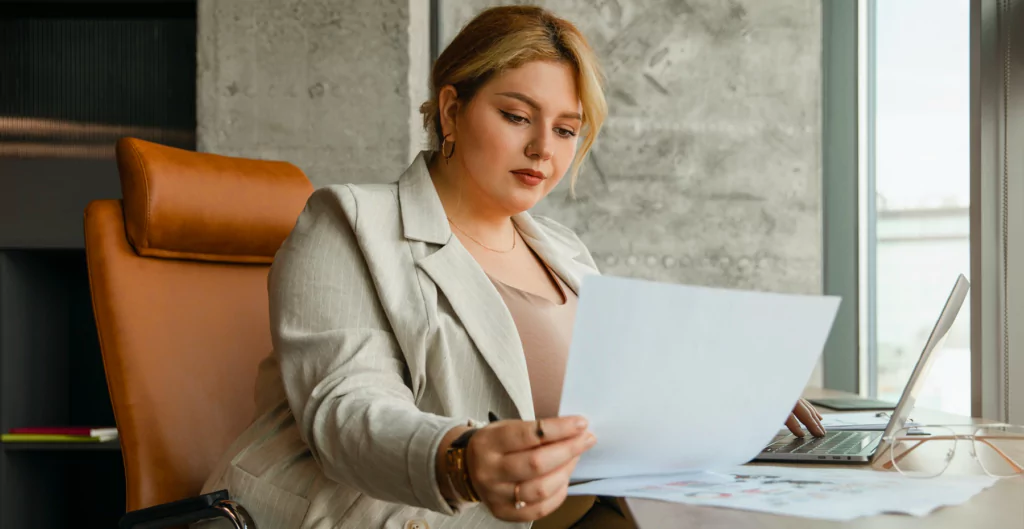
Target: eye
(565,133)
(514,118)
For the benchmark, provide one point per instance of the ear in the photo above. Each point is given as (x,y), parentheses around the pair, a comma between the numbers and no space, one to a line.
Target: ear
(448,105)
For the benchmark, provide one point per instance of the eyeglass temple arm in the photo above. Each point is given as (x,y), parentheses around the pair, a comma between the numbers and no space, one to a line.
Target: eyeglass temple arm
(888,464)
(983,438)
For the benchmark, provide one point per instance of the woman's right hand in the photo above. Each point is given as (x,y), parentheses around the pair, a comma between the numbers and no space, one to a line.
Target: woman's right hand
(507,453)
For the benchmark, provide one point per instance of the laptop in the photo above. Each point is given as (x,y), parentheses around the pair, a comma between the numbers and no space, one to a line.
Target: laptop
(857,446)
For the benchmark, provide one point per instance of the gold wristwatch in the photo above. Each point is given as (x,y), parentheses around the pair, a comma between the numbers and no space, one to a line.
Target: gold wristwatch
(458,469)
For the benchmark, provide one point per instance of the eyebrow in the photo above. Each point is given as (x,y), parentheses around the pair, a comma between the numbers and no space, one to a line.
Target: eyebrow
(529,101)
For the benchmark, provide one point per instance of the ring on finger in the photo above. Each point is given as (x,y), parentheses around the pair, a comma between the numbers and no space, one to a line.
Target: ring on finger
(519,504)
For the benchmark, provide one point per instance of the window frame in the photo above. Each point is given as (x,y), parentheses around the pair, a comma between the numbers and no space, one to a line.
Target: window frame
(847,159)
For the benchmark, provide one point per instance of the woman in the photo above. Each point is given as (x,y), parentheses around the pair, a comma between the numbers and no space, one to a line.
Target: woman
(407,317)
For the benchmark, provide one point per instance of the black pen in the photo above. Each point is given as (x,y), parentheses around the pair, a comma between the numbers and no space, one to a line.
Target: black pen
(491,416)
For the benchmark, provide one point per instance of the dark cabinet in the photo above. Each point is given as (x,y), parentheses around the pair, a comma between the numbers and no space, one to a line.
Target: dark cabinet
(74,77)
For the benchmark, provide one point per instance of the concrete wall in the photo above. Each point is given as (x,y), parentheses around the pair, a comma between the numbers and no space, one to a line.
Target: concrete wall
(707,170)
(324,84)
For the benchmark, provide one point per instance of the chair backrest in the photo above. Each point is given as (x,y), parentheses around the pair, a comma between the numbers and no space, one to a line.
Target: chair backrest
(178,272)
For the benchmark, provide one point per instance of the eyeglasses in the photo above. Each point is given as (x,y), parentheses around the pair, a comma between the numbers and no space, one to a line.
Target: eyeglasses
(998,448)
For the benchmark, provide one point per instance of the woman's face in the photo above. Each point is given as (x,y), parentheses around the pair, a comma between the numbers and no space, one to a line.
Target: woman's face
(517,137)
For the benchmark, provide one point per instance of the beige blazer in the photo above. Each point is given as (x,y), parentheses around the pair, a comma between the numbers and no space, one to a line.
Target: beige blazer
(386,334)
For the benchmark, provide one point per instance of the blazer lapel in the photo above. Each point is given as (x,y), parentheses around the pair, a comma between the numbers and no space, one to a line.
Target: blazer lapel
(560,257)
(472,296)
(486,318)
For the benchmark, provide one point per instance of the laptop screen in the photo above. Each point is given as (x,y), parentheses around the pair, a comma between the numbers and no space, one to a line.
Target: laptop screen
(946,317)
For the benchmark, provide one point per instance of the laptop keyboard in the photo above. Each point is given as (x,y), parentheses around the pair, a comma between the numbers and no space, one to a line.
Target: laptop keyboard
(833,444)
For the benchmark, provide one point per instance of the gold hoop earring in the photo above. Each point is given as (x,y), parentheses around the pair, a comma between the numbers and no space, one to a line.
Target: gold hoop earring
(450,153)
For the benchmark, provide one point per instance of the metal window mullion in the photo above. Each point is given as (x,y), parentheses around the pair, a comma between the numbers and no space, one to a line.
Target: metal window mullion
(870,291)
(840,198)
(986,251)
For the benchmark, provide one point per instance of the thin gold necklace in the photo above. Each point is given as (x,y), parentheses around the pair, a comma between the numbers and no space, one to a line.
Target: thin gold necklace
(482,244)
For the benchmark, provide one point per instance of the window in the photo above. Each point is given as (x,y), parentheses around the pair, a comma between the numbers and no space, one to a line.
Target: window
(915,186)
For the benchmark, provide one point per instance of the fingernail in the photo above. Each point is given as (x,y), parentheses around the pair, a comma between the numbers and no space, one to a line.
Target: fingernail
(581,423)
(591,439)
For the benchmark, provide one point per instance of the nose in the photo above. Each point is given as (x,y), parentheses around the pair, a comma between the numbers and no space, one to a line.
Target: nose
(540,148)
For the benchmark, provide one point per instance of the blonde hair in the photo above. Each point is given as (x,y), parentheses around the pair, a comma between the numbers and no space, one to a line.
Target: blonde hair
(504,38)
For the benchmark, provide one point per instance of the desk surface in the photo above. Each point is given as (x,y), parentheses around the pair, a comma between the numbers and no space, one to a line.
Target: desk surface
(1001,506)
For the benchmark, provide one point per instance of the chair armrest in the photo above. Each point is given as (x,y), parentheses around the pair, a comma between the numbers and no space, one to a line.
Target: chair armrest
(176,513)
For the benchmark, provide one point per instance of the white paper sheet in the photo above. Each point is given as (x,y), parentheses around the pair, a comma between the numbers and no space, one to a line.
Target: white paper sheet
(867,420)
(675,377)
(829,494)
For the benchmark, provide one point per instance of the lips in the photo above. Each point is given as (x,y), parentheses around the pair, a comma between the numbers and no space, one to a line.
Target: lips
(529,177)
(530,172)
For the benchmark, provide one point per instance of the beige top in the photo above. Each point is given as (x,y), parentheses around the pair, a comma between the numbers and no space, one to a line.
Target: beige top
(545,328)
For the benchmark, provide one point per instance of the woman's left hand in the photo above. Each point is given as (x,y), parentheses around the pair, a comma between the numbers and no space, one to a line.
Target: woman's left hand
(805,413)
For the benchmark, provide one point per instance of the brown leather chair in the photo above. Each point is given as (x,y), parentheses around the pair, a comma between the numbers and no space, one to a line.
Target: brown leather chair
(178,272)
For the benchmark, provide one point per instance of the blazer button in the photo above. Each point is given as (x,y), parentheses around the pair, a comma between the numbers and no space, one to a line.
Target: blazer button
(417,524)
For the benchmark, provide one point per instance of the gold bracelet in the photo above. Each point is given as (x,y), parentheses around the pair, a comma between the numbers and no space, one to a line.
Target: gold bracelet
(458,476)
(473,496)
(457,499)
(457,466)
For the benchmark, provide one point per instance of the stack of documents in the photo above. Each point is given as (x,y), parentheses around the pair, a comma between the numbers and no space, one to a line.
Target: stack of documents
(869,420)
(822,493)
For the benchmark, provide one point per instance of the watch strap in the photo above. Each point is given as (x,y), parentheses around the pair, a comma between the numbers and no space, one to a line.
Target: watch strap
(462,441)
